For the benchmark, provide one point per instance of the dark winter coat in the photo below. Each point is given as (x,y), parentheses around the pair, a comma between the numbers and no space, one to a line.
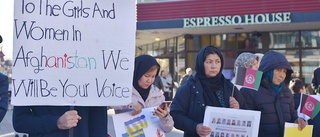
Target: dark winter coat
(188,106)
(316,78)
(296,100)
(4,85)
(276,109)
(41,121)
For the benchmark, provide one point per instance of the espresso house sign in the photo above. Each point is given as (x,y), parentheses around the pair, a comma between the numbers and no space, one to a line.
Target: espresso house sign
(234,20)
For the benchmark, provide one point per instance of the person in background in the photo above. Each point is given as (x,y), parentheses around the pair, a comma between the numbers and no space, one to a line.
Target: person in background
(206,87)
(145,94)
(185,76)
(273,99)
(170,85)
(166,85)
(158,83)
(259,55)
(316,80)
(4,85)
(297,88)
(246,60)
(56,121)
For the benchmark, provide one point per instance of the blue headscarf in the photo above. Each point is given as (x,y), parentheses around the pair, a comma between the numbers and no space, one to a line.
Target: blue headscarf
(275,60)
(142,64)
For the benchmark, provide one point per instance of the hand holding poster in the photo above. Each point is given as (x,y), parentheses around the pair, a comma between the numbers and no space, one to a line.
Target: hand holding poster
(232,122)
(73,52)
(144,124)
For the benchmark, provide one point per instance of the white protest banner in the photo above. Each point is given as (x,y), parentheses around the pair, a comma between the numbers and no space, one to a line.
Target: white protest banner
(73,52)
(232,122)
(144,124)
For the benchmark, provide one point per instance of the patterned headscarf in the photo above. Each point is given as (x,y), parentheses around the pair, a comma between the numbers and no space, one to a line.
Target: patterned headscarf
(245,60)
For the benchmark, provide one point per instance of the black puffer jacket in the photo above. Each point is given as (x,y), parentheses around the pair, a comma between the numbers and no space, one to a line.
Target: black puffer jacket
(188,105)
(276,109)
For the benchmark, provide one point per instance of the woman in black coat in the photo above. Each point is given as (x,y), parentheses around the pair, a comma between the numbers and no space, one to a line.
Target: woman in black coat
(206,87)
(273,98)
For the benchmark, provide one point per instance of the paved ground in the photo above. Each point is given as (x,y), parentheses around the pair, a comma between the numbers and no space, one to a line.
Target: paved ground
(6,129)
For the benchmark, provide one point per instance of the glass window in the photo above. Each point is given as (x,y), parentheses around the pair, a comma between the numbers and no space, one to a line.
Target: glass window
(181,45)
(194,43)
(162,47)
(229,41)
(310,38)
(216,40)
(205,40)
(191,59)
(181,64)
(172,45)
(156,49)
(143,49)
(242,41)
(229,58)
(284,40)
(310,61)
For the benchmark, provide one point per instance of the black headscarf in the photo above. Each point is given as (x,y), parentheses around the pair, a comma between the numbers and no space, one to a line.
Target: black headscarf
(212,86)
(212,83)
(142,64)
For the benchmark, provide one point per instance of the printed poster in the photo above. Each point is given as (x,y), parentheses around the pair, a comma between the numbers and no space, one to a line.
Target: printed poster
(144,124)
(227,122)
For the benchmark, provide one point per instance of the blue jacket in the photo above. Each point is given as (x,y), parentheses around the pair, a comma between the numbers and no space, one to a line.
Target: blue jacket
(4,85)
(276,109)
(41,121)
(188,105)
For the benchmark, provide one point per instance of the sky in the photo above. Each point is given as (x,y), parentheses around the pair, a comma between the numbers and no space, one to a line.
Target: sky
(6,27)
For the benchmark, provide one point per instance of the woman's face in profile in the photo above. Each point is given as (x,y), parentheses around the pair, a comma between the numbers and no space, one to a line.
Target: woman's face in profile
(212,65)
(255,65)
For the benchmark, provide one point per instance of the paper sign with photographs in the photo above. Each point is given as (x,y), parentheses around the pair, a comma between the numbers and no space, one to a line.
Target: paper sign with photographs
(226,122)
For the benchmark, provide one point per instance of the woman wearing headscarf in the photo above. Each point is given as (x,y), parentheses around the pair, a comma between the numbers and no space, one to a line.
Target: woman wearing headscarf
(145,94)
(273,98)
(206,87)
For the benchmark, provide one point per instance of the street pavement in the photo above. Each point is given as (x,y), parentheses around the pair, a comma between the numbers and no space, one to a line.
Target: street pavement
(6,129)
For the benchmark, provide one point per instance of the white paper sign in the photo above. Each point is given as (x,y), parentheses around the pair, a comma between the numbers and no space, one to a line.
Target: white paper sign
(144,124)
(73,52)
(229,122)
